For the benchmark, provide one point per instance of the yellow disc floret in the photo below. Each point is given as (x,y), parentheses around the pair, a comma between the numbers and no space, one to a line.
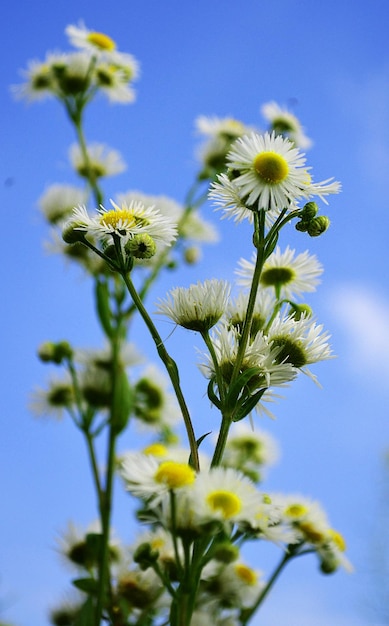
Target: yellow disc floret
(271,167)
(118,218)
(246,574)
(175,475)
(101,41)
(338,539)
(155,449)
(224,502)
(296,510)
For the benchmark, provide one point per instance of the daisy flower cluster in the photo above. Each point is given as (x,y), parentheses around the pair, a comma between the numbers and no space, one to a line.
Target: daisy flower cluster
(96,66)
(284,338)
(222,509)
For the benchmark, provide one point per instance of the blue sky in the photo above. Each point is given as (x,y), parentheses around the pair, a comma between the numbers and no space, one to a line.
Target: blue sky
(214,58)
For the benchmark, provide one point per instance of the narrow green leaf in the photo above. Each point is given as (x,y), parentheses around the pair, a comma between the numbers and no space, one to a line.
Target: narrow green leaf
(102,306)
(88,585)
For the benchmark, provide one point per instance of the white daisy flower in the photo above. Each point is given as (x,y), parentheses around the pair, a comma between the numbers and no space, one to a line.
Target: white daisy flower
(251,446)
(40,80)
(236,584)
(213,126)
(125,222)
(285,123)
(155,405)
(226,196)
(300,342)
(114,74)
(81,37)
(223,494)
(58,201)
(259,354)
(102,161)
(54,400)
(147,478)
(263,309)
(199,307)
(289,274)
(272,172)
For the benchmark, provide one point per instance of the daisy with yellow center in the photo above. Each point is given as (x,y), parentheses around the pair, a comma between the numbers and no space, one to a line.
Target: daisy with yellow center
(268,172)
(81,37)
(151,479)
(285,123)
(223,494)
(125,221)
(290,275)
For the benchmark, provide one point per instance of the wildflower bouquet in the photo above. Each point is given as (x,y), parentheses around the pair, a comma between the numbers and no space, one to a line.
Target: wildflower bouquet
(196,509)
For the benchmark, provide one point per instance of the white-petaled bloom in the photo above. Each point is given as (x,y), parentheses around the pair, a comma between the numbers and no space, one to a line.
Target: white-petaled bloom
(199,307)
(155,406)
(193,226)
(259,354)
(300,342)
(140,590)
(309,519)
(114,74)
(129,356)
(271,173)
(289,274)
(147,478)
(249,448)
(213,126)
(222,494)
(285,123)
(225,195)
(125,221)
(220,133)
(40,80)
(102,161)
(73,545)
(58,201)
(233,585)
(263,309)
(81,37)
(53,401)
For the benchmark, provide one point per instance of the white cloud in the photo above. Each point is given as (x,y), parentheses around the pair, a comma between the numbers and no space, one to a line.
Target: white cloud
(363,316)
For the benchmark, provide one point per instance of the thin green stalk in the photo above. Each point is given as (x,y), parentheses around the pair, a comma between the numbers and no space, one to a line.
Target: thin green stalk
(259,242)
(170,366)
(104,583)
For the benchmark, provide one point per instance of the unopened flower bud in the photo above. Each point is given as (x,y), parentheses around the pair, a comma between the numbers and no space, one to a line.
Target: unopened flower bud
(226,552)
(50,352)
(297,311)
(145,555)
(302,226)
(309,211)
(192,255)
(71,234)
(318,225)
(141,246)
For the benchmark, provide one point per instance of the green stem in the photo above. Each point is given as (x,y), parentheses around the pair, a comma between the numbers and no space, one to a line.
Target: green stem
(170,366)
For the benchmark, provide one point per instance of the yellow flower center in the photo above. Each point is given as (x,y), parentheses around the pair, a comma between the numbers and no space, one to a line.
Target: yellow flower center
(271,167)
(311,533)
(226,502)
(101,41)
(338,539)
(296,510)
(156,449)
(118,218)
(246,574)
(175,475)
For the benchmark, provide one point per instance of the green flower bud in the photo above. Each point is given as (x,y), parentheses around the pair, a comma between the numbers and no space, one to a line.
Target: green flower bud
(302,226)
(192,255)
(50,352)
(309,211)
(71,234)
(318,225)
(141,246)
(297,311)
(226,552)
(145,556)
